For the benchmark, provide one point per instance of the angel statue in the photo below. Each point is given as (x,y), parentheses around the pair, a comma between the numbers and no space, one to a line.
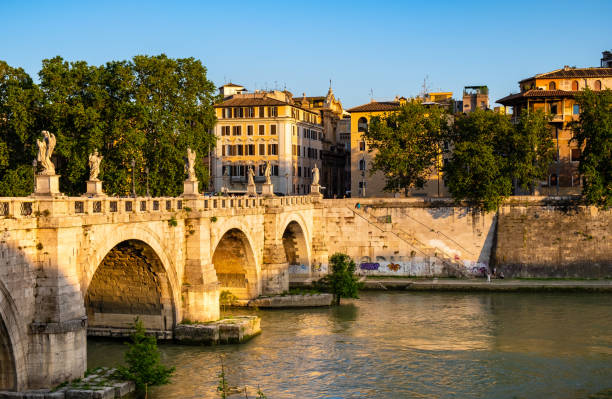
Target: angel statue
(190,164)
(94,165)
(315,175)
(45,149)
(251,182)
(268,172)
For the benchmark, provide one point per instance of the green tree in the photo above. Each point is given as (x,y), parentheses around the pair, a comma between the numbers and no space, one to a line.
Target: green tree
(143,361)
(490,155)
(20,100)
(342,281)
(407,144)
(593,132)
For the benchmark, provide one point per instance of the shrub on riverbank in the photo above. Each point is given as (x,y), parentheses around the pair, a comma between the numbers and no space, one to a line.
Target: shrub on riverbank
(143,360)
(342,281)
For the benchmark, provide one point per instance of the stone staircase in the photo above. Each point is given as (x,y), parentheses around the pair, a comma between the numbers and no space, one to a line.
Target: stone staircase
(453,267)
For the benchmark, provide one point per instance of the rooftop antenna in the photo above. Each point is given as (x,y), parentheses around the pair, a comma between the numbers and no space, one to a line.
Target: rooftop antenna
(330,83)
(425,88)
(371,94)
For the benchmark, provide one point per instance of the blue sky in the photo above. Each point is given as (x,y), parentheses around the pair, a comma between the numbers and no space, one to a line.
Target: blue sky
(388,47)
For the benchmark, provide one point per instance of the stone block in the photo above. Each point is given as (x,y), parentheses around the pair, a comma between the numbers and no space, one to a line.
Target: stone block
(122,388)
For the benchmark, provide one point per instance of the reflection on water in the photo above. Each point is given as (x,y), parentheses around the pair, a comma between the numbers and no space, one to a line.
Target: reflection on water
(409,345)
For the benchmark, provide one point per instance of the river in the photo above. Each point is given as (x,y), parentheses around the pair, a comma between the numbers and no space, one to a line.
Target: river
(408,345)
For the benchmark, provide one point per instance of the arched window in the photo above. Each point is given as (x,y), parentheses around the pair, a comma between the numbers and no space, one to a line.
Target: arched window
(362,164)
(597,85)
(552,86)
(575,85)
(362,125)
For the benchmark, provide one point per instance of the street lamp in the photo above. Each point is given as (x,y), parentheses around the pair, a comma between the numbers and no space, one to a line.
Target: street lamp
(133,181)
(147,174)
(34,165)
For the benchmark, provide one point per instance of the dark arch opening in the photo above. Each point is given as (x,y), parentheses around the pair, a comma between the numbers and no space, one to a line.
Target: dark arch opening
(8,375)
(296,252)
(130,282)
(233,259)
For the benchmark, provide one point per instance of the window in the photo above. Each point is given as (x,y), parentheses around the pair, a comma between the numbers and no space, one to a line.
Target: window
(362,146)
(236,130)
(262,169)
(575,88)
(272,149)
(576,154)
(250,130)
(272,111)
(262,112)
(553,180)
(272,129)
(222,150)
(362,125)
(225,130)
(293,150)
(597,85)
(250,112)
(552,86)
(362,184)
(553,109)
(262,149)
(298,151)
(240,149)
(274,170)
(262,130)
(362,164)
(576,109)
(227,112)
(299,169)
(250,149)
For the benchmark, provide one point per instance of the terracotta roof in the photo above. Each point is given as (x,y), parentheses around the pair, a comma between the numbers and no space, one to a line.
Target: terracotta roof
(376,106)
(574,73)
(250,102)
(536,94)
(231,85)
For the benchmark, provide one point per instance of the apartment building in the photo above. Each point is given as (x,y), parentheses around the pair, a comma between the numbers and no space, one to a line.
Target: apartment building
(265,126)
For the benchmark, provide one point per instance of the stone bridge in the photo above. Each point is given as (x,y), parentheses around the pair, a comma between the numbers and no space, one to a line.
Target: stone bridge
(72,267)
(76,266)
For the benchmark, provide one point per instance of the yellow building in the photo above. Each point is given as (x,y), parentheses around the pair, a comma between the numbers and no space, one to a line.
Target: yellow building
(364,184)
(554,93)
(253,128)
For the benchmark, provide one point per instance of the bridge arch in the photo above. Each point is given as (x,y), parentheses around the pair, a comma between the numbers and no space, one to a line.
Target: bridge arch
(295,237)
(235,261)
(131,275)
(12,352)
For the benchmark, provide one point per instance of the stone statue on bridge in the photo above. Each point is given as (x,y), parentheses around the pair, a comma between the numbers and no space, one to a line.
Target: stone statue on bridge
(45,150)
(94,165)
(190,165)
(268,172)
(250,173)
(315,175)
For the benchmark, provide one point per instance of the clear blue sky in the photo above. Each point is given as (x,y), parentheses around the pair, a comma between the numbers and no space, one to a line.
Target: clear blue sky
(386,46)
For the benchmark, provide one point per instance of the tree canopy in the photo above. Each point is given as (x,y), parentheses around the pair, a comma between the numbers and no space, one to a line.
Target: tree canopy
(593,132)
(491,155)
(148,109)
(407,144)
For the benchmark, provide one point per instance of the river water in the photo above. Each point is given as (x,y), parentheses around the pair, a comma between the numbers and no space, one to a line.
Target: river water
(408,345)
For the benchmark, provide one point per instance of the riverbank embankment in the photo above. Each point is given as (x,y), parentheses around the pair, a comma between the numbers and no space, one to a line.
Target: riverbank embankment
(479,285)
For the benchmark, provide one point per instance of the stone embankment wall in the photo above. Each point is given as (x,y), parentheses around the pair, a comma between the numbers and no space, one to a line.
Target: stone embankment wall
(535,239)
(408,236)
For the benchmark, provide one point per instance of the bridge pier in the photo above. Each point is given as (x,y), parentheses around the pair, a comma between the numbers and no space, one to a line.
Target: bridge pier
(58,333)
(275,268)
(200,287)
